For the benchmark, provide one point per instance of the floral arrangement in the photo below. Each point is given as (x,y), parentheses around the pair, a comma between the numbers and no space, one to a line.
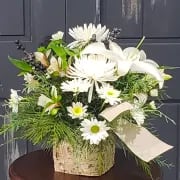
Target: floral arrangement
(88,93)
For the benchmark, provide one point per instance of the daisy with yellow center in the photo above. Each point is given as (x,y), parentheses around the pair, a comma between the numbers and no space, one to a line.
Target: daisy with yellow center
(77,110)
(94,130)
(109,94)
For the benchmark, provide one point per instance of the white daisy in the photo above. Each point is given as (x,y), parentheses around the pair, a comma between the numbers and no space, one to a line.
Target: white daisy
(14,100)
(76,85)
(57,36)
(31,83)
(94,130)
(94,69)
(82,35)
(77,110)
(110,94)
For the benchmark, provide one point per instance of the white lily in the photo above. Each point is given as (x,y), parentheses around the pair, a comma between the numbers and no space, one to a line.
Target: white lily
(130,59)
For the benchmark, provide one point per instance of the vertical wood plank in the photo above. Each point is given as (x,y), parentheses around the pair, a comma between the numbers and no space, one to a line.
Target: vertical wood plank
(167,54)
(10,149)
(168,132)
(79,12)
(123,14)
(161,18)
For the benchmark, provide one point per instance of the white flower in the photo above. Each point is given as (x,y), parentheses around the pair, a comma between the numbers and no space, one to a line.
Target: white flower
(14,100)
(137,112)
(138,115)
(153,105)
(55,67)
(110,94)
(154,92)
(32,84)
(94,130)
(43,58)
(129,59)
(48,104)
(77,110)
(28,77)
(43,100)
(54,92)
(76,85)
(57,36)
(82,35)
(94,69)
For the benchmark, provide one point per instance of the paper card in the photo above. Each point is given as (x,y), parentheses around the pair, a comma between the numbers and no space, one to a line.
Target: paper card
(112,112)
(141,142)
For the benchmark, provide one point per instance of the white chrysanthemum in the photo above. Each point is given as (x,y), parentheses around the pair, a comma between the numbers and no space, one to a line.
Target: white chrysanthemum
(94,130)
(32,84)
(76,86)
(14,100)
(94,69)
(57,36)
(77,110)
(82,35)
(109,94)
(129,59)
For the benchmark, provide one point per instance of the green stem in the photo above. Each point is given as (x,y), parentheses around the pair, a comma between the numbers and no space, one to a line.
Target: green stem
(140,43)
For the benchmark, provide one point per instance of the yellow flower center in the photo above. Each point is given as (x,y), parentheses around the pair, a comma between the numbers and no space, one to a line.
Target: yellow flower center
(110,93)
(95,129)
(77,110)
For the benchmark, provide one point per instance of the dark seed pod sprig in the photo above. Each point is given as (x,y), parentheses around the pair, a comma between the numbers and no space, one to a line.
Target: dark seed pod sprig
(30,58)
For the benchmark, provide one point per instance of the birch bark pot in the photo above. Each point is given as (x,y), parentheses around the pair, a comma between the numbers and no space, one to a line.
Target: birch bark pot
(84,161)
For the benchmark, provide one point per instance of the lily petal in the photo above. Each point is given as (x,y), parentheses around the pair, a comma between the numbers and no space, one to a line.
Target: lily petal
(142,67)
(124,67)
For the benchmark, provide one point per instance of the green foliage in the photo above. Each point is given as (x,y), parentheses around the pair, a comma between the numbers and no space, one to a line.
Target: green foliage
(22,65)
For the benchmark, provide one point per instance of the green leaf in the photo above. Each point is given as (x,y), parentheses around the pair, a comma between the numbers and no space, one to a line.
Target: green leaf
(64,64)
(59,51)
(22,65)
(41,49)
(70,52)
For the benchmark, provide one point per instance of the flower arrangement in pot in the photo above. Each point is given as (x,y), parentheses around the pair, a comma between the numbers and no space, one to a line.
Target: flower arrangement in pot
(80,98)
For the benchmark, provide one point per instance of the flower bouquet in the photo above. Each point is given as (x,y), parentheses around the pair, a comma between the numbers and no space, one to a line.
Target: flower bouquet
(84,97)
